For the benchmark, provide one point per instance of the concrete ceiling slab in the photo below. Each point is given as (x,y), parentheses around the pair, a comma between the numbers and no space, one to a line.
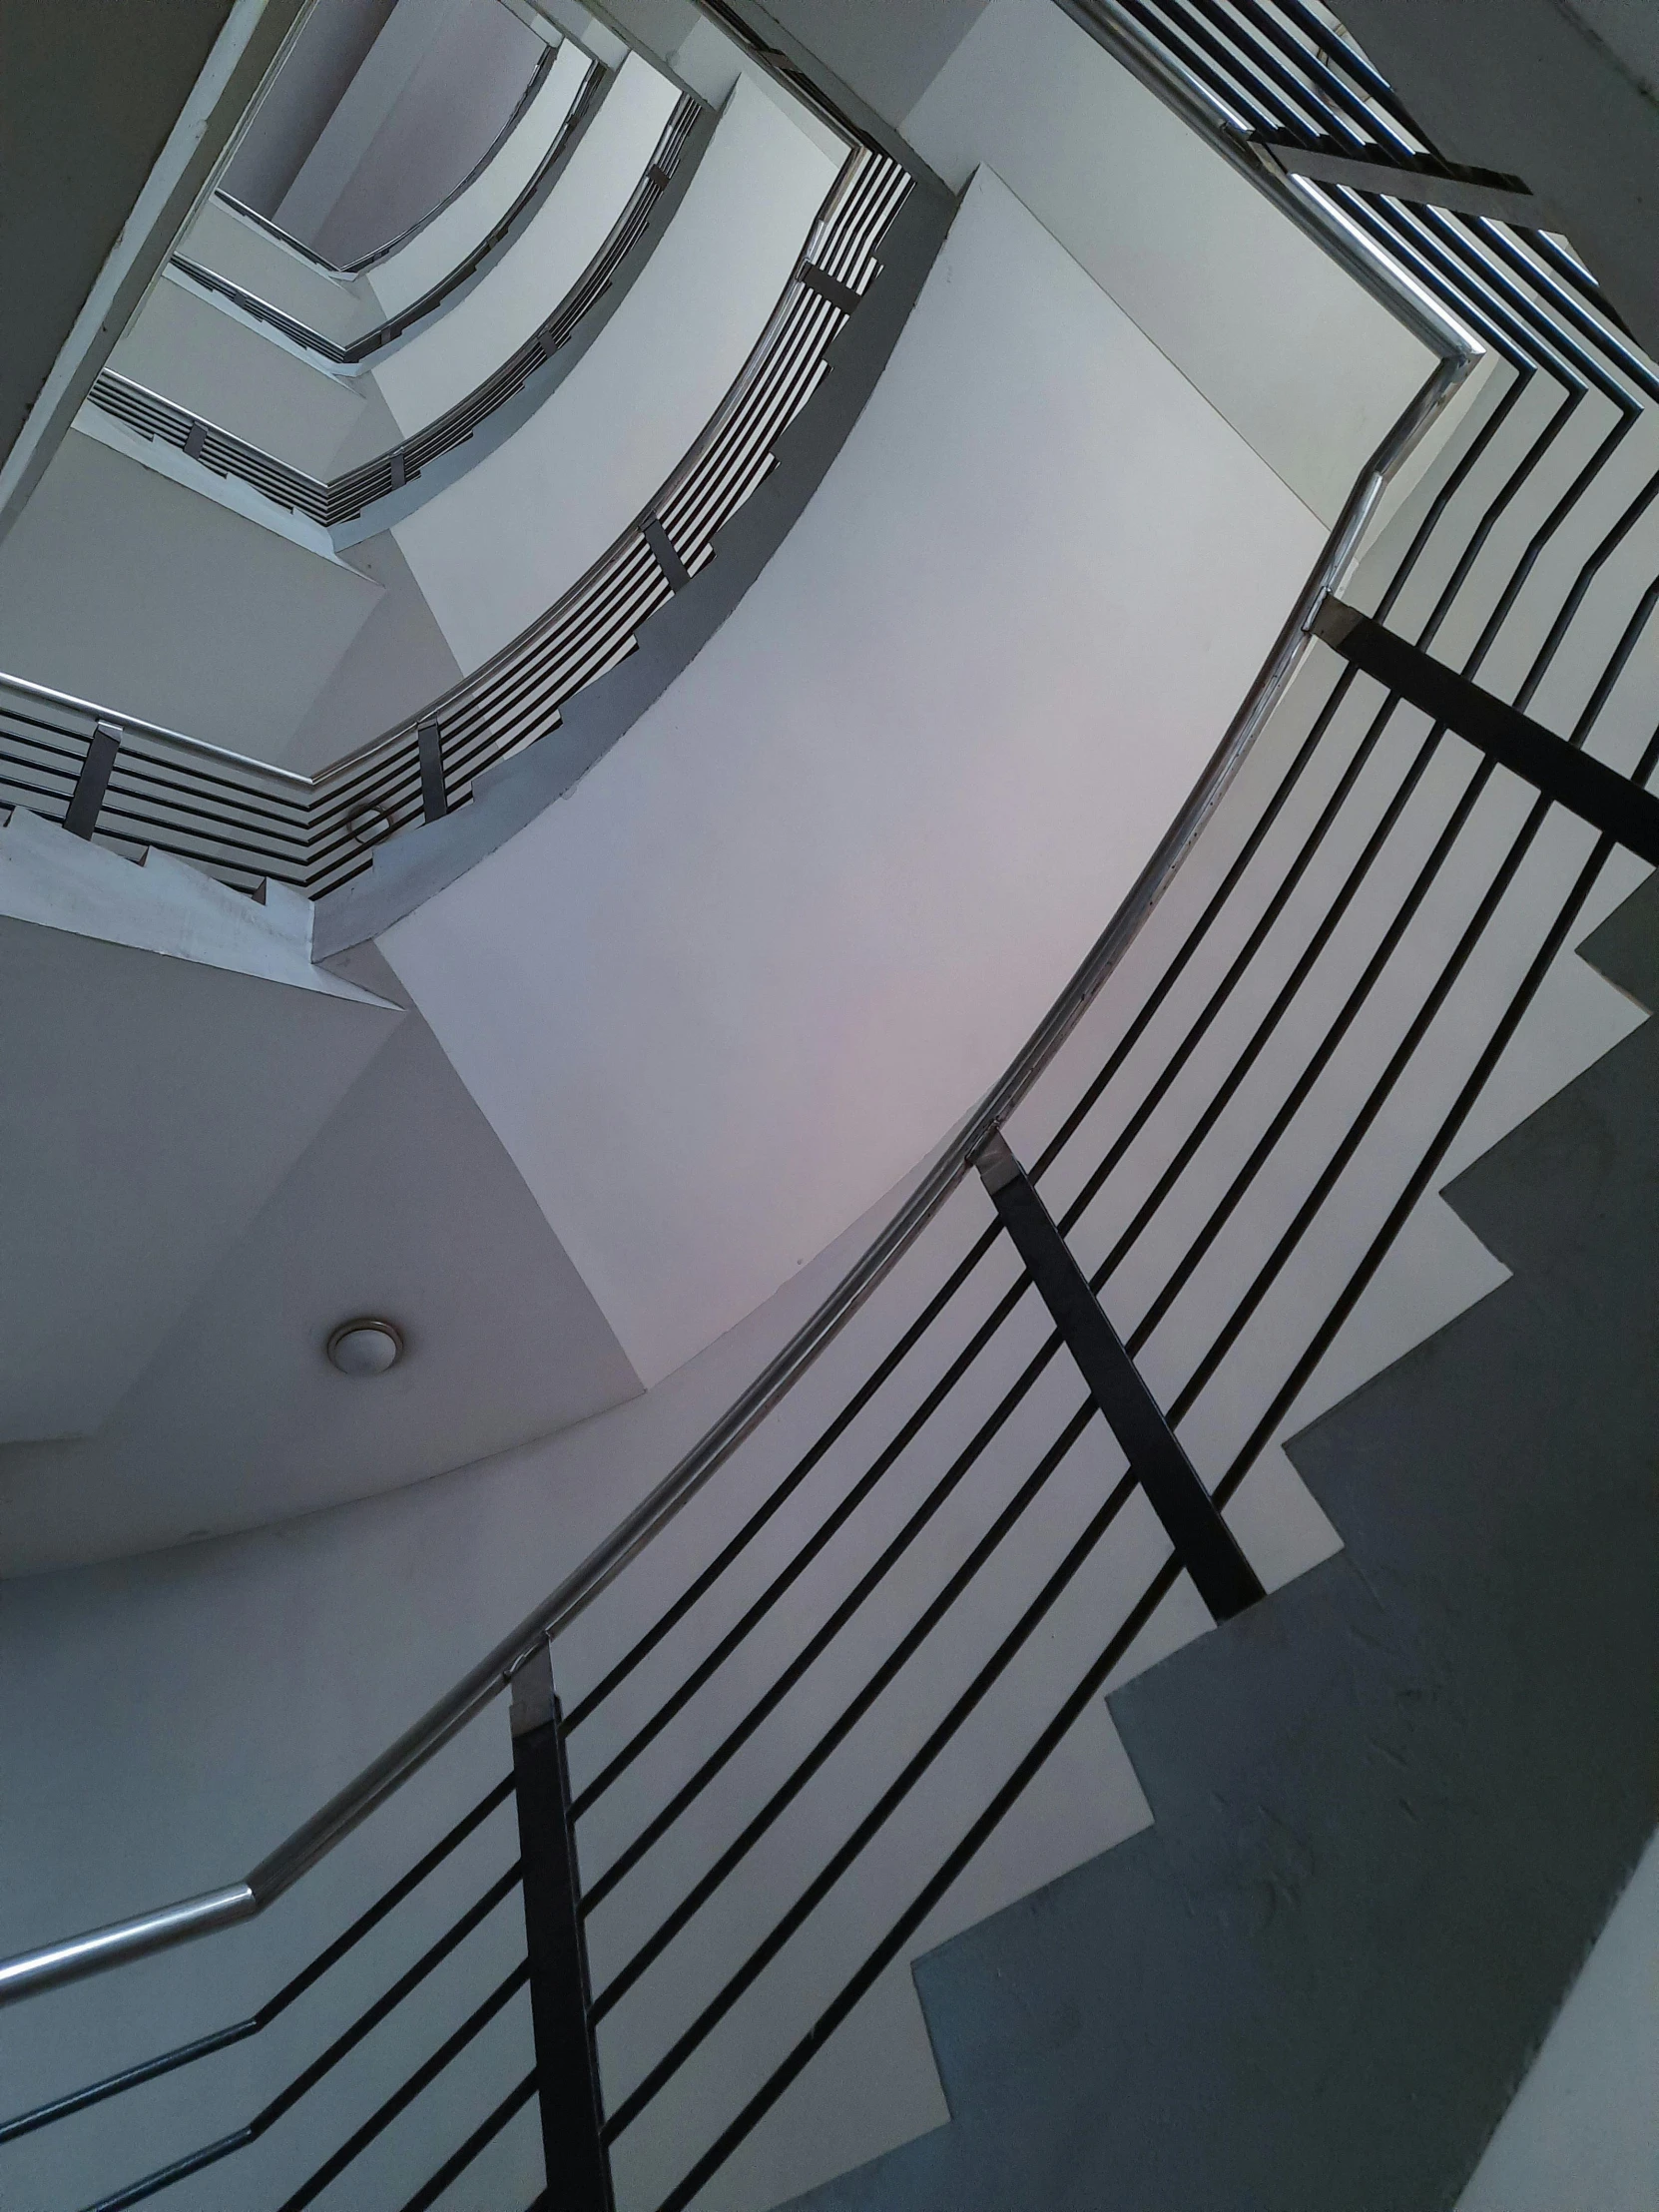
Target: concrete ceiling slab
(404,1205)
(170,1052)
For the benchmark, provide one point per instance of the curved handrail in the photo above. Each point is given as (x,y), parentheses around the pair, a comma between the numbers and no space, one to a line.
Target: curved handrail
(1239,916)
(347,270)
(75,1956)
(343,499)
(535,191)
(517,696)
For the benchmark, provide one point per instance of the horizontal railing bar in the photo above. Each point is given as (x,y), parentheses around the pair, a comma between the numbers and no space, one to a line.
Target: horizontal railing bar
(422,2077)
(1423,1175)
(1587,787)
(481,2137)
(1301,1089)
(956,1472)
(343,499)
(130,2077)
(843,1724)
(929,1896)
(306,2079)
(483,1682)
(704,1581)
(1277,1258)
(186,2054)
(136,726)
(847,1852)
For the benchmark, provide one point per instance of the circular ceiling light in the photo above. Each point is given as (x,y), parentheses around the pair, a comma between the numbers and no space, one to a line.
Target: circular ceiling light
(369,825)
(365,1346)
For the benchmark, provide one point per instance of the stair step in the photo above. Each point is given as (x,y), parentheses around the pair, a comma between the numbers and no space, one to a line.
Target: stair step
(160,904)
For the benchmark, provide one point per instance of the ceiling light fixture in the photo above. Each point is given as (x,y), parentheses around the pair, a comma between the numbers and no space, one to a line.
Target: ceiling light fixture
(365,1346)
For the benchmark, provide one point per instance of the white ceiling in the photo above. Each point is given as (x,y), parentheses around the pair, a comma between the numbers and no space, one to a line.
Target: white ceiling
(406,1205)
(156,1091)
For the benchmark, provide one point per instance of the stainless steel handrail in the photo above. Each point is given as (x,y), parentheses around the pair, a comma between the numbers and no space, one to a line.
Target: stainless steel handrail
(346,270)
(76,1956)
(136,726)
(519,693)
(334,501)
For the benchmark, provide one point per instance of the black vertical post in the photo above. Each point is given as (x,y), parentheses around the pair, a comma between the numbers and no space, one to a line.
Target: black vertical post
(567,2062)
(664,552)
(81,814)
(434,797)
(1588,787)
(1206,1546)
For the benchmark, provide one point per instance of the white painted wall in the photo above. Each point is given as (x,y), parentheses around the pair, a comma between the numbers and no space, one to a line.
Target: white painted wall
(1628,30)
(436,249)
(877,823)
(497,547)
(395,665)
(243,1681)
(432,94)
(221,240)
(1305,366)
(451,355)
(124,587)
(216,1695)
(229,373)
(1584,2127)
(319,65)
(453,110)
(377,85)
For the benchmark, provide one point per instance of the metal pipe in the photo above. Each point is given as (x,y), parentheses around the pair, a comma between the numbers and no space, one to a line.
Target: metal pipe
(34,1971)
(108,1947)
(136,726)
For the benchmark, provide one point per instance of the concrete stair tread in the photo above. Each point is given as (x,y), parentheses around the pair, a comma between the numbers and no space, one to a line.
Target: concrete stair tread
(1393,1805)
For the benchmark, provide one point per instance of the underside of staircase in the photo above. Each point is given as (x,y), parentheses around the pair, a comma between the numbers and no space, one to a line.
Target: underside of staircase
(1394,1803)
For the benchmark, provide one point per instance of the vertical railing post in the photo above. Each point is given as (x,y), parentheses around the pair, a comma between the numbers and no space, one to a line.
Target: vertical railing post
(434,795)
(664,552)
(1205,1546)
(86,800)
(567,2061)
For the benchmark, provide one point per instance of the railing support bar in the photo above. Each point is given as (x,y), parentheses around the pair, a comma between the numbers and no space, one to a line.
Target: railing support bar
(567,2061)
(664,552)
(435,797)
(85,801)
(1206,1546)
(1587,787)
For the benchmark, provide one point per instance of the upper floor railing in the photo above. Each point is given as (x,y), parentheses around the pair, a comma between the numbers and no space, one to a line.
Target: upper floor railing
(353,351)
(344,498)
(244,822)
(914,1552)
(365,261)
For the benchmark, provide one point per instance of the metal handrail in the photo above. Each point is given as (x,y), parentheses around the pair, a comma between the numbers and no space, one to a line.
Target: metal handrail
(534,192)
(340,499)
(517,694)
(144,1934)
(134,725)
(347,270)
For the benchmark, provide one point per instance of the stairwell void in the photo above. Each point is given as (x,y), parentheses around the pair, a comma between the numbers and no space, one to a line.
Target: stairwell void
(1108,1661)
